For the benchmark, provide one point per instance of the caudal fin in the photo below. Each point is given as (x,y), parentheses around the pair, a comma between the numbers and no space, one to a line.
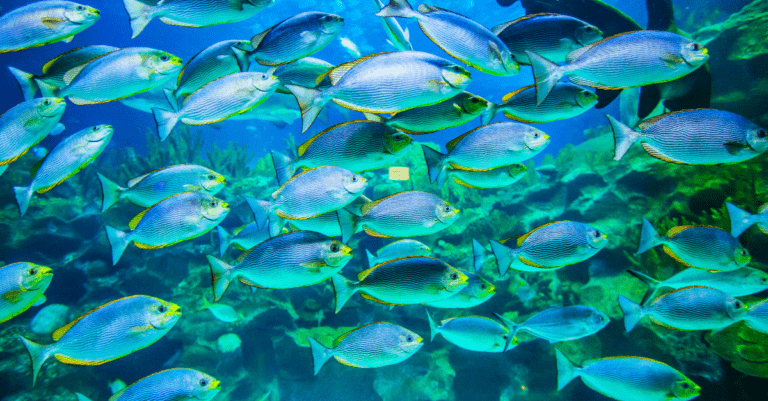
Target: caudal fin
(653,285)
(165,121)
(546,74)
(262,212)
(23,195)
(225,239)
(633,312)
(433,328)
(343,289)
(741,220)
(490,112)
(398,8)
(118,240)
(348,223)
(284,167)
(222,276)
(38,353)
(566,370)
(511,326)
(26,82)
(649,238)
(110,192)
(435,165)
(140,14)
(320,354)
(504,256)
(311,101)
(623,137)
(47,89)
(3,168)
(371,258)
(479,255)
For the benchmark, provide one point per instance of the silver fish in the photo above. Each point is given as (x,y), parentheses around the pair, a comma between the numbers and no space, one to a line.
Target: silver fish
(565,101)
(477,291)
(453,112)
(399,38)
(474,333)
(44,22)
(303,72)
(398,249)
(213,62)
(243,238)
(736,283)
(171,384)
(22,285)
(757,316)
(26,124)
(493,178)
(561,323)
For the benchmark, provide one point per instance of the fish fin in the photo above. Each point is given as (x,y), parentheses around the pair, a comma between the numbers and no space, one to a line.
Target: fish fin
(58,129)
(633,312)
(52,22)
(674,256)
(26,82)
(343,289)
(371,259)
(311,102)
(314,267)
(623,137)
(3,168)
(73,73)
(147,246)
(138,179)
(64,329)
(522,238)
(363,274)
(242,58)
(566,370)
(736,148)
(574,54)
(225,239)
(398,8)
(118,241)
(672,60)
(510,95)
(511,326)
(73,361)
(140,15)
(284,166)
(110,192)
(336,73)
(13,296)
(38,354)
(348,223)
(256,39)
(479,254)
(649,238)
(40,300)
(320,354)
(435,164)
(136,219)
(434,329)
(657,154)
(464,183)
(165,120)
(455,141)
(374,233)
(139,330)
(46,89)
(222,276)
(374,299)
(653,285)
(677,230)
(375,118)
(741,220)
(250,283)
(489,113)
(650,96)
(546,74)
(23,196)
(504,255)
(36,167)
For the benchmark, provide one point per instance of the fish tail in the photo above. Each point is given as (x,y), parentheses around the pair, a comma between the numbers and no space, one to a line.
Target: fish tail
(23,195)
(3,168)
(48,90)
(26,82)
(653,285)
(546,74)
(222,276)
(242,57)
(649,238)
(81,397)
(348,223)
(140,15)
(38,353)
(118,240)
(479,255)
(623,137)
(343,289)
(284,167)
(311,102)
(173,98)
(504,255)
(566,370)
(225,239)
(435,165)
(511,326)
(320,354)
(490,112)
(261,211)
(398,8)
(741,220)
(375,118)
(371,258)
(433,328)
(633,312)
(110,192)
(165,120)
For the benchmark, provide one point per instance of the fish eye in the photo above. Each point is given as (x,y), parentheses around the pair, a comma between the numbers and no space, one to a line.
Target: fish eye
(589,29)
(32,271)
(214,203)
(764,280)
(80,8)
(95,128)
(354,178)
(164,57)
(482,286)
(738,304)
(162,309)
(686,386)
(47,102)
(409,338)
(447,208)
(535,134)
(505,337)
(211,177)
(596,234)
(474,100)
(696,47)
(456,68)
(761,133)
(263,76)
(334,247)
(454,276)
(203,382)
(397,137)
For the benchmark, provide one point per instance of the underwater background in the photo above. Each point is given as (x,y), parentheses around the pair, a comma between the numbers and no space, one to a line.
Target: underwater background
(269,356)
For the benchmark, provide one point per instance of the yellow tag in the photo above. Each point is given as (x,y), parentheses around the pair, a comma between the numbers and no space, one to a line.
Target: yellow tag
(399,174)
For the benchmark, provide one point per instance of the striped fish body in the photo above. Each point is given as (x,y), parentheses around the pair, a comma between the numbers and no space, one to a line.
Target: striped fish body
(227,96)
(736,283)
(398,37)
(120,74)
(296,37)
(474,333)
(757,317)
(708,248)
(21,286)
(565,101)
(326,223)
(495,145)
(407,214)
(629,378)
(317,191)
(248,236)
(212,63)
(565,323)
(173,384)
(303,72)
(453,112)
(44,22)
(493,178)
(370,346)
(477,291)
(26,124)
(551,36)
(398,249)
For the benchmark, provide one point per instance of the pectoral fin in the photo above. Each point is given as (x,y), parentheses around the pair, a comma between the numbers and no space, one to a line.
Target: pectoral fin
(52,23)
(735,148)
(12,296)
(672,60)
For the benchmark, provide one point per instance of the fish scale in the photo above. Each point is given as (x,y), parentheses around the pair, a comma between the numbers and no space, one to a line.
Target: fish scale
(26,124)
(24,27)
(171,384)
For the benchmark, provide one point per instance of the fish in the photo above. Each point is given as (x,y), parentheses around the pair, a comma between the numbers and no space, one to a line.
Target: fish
(699,137)
(485,148)
(494,178)
(565,101)
(175,219)
(741,220)
(398,249)
(44,22)
(22,285)
(453,112)
(473,333)
(371,346)
(688,308)
(223,98)
(350,47)
(275,110)
(399,38)
(243,238)
(549,35)
(191,13)
(643,57)
(106,333)
(215,61)
(550,246)
(420,79)
(54,70)
(458,36)
(628,378)
(327,223)
(70,156)
(477,291)
(292,39)
(225,313)
(703,247)
(404,214)
(306,195)
(404,281)
(149,189)
(560,323)
(26,124)
(353,145)
(303,72)
(736,283)
(171,384)
(757,316)
(291,260)
(116,75)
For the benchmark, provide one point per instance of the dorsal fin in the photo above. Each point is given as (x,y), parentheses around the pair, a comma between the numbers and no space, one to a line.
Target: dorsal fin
(49,64)
(452,144)
(138,179)
(238,229)
(244,255)
(256,39)
(36,166)
(337,72)
(677,230)
(580,51)
(498,28)
(645,124)
(63,329)
(374,299)
(427,8)
(116,396)
(277,192)
(136,219)
(370,205)
(363,274)
(305,145)
(340,338)
(510,95)
(525,236)
(464,183)
(71,74)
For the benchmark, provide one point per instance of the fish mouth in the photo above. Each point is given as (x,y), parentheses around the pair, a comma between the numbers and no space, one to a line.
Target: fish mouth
(215,385)
(174,310)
